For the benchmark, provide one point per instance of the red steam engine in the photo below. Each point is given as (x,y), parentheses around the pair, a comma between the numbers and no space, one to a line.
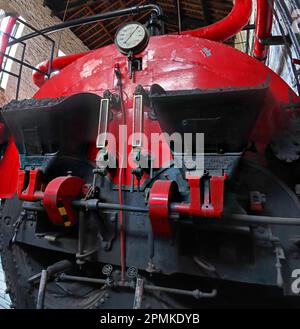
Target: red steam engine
(84,189)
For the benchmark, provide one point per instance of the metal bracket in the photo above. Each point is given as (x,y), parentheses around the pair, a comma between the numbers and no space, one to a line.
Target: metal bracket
(276,40)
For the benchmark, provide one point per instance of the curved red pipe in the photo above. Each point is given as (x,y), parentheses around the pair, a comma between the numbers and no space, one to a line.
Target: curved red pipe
(4,39)
(225,29)
(58,64)
(220,31)
(263,30)
(229,26)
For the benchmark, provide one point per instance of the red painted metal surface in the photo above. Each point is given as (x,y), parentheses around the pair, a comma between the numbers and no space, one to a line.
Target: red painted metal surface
(228,27)
(212,205)
(162,200)
(2,133)
(4,37)
(58,64)
(196,64)
(58,196)
(9,168)
(33,191)
(9,164)
(263,28)
(161,195)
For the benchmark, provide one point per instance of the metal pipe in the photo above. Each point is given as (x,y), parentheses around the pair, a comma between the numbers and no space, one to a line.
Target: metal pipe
(58,64)
(21,62)
(228,27)
(81,236)
(194,293)
(4,40)
(179,16)
(263,30)
(92,204)
(42,290)
(65,277)
(139,292)
(250,219)
(91,19)
(60,266)
(95,204)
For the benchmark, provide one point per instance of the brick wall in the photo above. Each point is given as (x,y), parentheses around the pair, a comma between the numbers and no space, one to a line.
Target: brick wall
(3,98)
(37,49)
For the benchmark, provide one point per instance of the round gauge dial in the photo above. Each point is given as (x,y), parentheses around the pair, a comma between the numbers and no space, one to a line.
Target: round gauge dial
(132,37)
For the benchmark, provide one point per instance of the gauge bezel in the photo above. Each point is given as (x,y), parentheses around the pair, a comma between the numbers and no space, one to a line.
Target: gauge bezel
(138,48)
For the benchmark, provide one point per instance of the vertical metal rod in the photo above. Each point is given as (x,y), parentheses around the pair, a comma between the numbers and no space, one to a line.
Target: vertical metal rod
(81,234)
(151,243)
(42,290)
(138,296)
(20,72)
(247,41)
(51,59)
(179,16)
(64,18)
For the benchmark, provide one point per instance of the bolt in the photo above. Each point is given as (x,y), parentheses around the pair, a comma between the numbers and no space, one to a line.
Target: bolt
(105,245)
(7,220)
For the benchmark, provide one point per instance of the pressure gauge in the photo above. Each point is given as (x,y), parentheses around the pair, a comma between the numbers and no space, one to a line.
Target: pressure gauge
(132,38)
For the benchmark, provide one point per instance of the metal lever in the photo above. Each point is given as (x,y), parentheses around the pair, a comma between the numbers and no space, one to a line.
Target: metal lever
(42,290)
(17,225)
(138,173)
(279,256)
(147,287)
(44,276)
(138,296)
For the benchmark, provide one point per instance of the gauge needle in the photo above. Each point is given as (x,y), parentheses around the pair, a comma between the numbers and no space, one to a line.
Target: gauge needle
(131,34)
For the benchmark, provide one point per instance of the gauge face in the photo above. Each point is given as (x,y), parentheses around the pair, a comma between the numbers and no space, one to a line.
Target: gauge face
(132,37)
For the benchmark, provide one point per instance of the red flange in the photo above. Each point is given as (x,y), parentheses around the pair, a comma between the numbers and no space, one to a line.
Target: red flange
(58,196)
(213,198)
(161,194)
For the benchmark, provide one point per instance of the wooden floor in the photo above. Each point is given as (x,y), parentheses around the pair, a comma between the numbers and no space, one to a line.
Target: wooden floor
(4,298)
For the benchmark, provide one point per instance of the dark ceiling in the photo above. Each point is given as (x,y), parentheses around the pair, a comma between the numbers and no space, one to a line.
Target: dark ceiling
(193,13)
